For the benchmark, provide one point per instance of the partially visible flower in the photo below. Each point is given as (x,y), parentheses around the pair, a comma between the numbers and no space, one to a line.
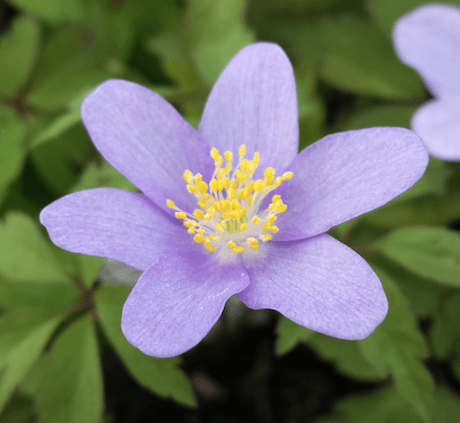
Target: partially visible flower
(231,208)
(428,40)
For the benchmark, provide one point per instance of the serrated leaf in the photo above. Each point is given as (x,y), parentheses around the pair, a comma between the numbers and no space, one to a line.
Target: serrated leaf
(398,345)
(289,334)
(25,255)
(347,357)
(431,252)
(12,149)
(216,31)
(21,350)
(160,375)
(19,49)
(71,387)
(53,11)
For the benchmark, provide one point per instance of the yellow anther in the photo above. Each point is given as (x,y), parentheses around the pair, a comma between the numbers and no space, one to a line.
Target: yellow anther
(216,206)
(243,227)
(213,185)
(281,208)
(238,250)
(202,204)
(225,205)
(244,165)
(219,161)
(287,175)
(180,215)
(192,189)
(242,212)
(236,205)
(188,176)
(198,238)
(252,167)
(269,172)
(219,228)
(274,229)
(170,204)
(234,214)
(214,154)
(259,185)
(203,187)
(213,237)
(189,223)
(265,238)
(228,156)
(197,178)
(198,214)
(256,158)
(277,182)
(220,185)
(226,183)
(271,220)
(210,247)
(231,244)
(255,220)
(266,229)
(253,244)
(242,150)
(250,200)
(276,198)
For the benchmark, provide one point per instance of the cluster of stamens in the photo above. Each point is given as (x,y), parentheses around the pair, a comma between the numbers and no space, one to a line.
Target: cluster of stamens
(228,214)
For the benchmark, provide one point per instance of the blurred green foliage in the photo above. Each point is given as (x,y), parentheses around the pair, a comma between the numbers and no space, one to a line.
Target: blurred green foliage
(59,322)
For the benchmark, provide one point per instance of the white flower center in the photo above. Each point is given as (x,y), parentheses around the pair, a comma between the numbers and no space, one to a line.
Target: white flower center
(228,218)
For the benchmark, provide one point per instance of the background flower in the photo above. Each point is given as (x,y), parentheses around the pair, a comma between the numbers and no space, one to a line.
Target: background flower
(428,39)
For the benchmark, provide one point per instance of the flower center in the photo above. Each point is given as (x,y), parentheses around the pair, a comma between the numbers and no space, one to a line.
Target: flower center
(228,216)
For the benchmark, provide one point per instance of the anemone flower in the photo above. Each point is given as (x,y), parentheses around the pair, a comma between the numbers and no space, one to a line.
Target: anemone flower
(428,40)
(214,218)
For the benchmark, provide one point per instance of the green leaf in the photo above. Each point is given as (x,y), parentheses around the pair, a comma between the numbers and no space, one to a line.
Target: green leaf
(431,252)
(160,375)
(71,387)
(19,50)
(53,11)
(347,357)
(446,406)
(25,255)
(398,345)
(19,409)
(68,152)
(289,335)
(360,59)
(381,406)
(105,175)
(20,350)
(445,330)
(424,297)
(12,149)
(216,31)
(68,66)
(387,115)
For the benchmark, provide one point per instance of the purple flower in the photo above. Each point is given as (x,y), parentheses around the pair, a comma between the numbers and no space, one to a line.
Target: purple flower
(215,219)
(428,40)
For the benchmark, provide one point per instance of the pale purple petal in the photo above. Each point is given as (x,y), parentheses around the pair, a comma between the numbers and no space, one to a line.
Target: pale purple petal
(115,224)
(438,123)
(428,40)
(254,102)
(318,283)
(346,174)
(144,137)
(177,301)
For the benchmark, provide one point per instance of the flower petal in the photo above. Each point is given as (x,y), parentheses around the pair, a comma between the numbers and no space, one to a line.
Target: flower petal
(346,174)
(318,283)
(438,123)
(254,102)
(177,301)
(115,224)
(145,138)
(428,39)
